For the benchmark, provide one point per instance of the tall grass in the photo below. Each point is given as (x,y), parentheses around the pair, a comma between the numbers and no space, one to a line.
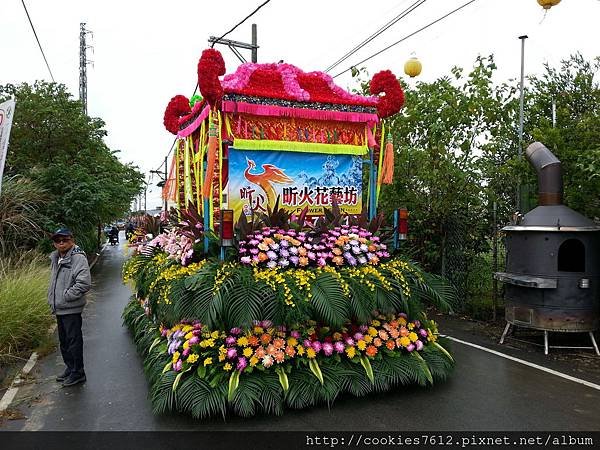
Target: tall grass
(24,314)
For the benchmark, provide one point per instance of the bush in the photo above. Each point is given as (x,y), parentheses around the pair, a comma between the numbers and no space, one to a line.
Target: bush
(480,289)
(25,314)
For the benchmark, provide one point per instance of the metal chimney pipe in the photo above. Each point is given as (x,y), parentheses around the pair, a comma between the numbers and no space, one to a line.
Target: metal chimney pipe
(548,168)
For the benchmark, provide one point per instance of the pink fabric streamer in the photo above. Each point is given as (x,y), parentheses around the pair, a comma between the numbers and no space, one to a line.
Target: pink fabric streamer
(195,124)
(283,111)
(371,139)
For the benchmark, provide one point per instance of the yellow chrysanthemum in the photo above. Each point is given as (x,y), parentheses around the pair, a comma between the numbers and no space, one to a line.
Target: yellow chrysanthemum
(376,323)
(411,326)
(186,345)
(189,335)
(310,353)
(175,357)
(413,336)
(208,361)
(253,361)
(221,358)
(372,332)
(300,350)
(404,341)
(192,358)
(402,321)
(242,341)
(227,367)
(214,334)
(187,328)
(247,352)
(351,352)
(368,339)
(361,345)
(292,341)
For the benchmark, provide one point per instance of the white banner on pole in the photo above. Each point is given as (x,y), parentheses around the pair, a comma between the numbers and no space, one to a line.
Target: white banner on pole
(7,110)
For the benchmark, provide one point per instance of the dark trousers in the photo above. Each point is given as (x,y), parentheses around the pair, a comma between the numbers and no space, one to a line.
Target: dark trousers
(71,341)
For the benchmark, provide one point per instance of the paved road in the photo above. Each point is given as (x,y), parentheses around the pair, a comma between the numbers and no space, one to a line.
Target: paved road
(486,392)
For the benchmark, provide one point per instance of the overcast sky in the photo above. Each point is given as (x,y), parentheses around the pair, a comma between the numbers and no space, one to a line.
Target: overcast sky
(146,52)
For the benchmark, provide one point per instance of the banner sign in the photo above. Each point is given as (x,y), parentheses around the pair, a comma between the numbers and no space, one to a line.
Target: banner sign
(7,110)
(258,177)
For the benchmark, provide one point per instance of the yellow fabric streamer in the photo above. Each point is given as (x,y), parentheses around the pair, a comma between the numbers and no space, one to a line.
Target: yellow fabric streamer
(306,147)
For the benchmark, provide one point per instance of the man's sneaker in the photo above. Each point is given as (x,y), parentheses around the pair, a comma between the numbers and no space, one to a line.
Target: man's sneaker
(73,379)
(63,376)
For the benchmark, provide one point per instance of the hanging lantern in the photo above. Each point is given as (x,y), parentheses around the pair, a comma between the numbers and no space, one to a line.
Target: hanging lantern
(547,4)
(412,67)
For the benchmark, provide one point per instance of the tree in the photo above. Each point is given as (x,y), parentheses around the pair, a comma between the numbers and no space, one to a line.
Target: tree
(59,148)
(575,137)
(452,140)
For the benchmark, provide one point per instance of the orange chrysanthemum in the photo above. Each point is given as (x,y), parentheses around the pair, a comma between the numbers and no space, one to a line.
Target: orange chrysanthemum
(371,350)
(390,344)
(265,338)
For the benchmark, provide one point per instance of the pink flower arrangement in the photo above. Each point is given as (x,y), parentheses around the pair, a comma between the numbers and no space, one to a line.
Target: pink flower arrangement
(177,245)
(341,246)
(264,345)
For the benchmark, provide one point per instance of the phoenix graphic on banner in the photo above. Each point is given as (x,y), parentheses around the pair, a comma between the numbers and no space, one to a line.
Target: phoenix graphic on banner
(258,177)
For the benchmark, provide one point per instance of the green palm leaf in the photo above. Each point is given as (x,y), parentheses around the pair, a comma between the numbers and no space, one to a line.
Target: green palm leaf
(328,300)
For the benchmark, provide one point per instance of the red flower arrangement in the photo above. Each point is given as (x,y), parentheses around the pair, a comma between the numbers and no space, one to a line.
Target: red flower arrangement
(210,67)
(177,107)
(390,103)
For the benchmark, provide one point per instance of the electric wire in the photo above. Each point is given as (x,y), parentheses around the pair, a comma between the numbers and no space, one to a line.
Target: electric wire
(246,18)
(406,37)
(212,45)
(38,41)
(395,20)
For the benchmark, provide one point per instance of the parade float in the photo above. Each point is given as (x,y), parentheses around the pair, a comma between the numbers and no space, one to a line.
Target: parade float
(276,284)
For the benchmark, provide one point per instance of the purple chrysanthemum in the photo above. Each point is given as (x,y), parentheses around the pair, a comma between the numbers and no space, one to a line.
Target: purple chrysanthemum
(327,348)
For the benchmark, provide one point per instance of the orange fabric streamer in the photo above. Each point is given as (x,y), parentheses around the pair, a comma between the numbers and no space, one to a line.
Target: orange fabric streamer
(388,162)
(211,158)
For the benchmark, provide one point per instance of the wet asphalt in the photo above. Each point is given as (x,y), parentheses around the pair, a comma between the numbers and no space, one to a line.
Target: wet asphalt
(486,392)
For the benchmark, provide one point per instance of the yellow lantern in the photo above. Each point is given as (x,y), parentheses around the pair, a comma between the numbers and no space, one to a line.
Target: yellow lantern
(412,67)
(547,4)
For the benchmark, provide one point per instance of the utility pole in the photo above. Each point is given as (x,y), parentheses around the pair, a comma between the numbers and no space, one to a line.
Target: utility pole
(234,45)
(83,62)
(521,101)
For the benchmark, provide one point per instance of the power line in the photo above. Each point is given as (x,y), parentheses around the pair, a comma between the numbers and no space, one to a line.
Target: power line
(38,41)
(407,36)
(395,20)
(213,44)
(246,18)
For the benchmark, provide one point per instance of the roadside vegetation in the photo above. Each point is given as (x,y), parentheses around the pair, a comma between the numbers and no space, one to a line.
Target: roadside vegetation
(457,155)
(25,314)
(59,172)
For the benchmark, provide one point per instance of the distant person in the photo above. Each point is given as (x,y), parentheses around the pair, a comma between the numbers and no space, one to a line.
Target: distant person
(129,231)
(114,232)
(70,280)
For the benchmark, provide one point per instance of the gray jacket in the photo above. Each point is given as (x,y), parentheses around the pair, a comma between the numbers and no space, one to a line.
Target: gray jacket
(69,282)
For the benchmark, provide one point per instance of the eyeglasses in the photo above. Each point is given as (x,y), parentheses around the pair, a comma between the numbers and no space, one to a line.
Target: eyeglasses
(60,241)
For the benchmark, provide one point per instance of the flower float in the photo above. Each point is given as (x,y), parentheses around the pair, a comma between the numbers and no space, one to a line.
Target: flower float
(305,298)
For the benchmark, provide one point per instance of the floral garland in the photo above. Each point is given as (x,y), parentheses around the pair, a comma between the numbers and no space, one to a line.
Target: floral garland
(264,345)
(386,82)
(286,81)
(210,67)
(341,246)
(177,107)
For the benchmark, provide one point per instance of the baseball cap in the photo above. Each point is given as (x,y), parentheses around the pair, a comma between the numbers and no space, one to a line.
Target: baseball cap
(62,232)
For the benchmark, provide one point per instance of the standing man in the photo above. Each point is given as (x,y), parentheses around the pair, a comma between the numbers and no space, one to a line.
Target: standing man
(69,282)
